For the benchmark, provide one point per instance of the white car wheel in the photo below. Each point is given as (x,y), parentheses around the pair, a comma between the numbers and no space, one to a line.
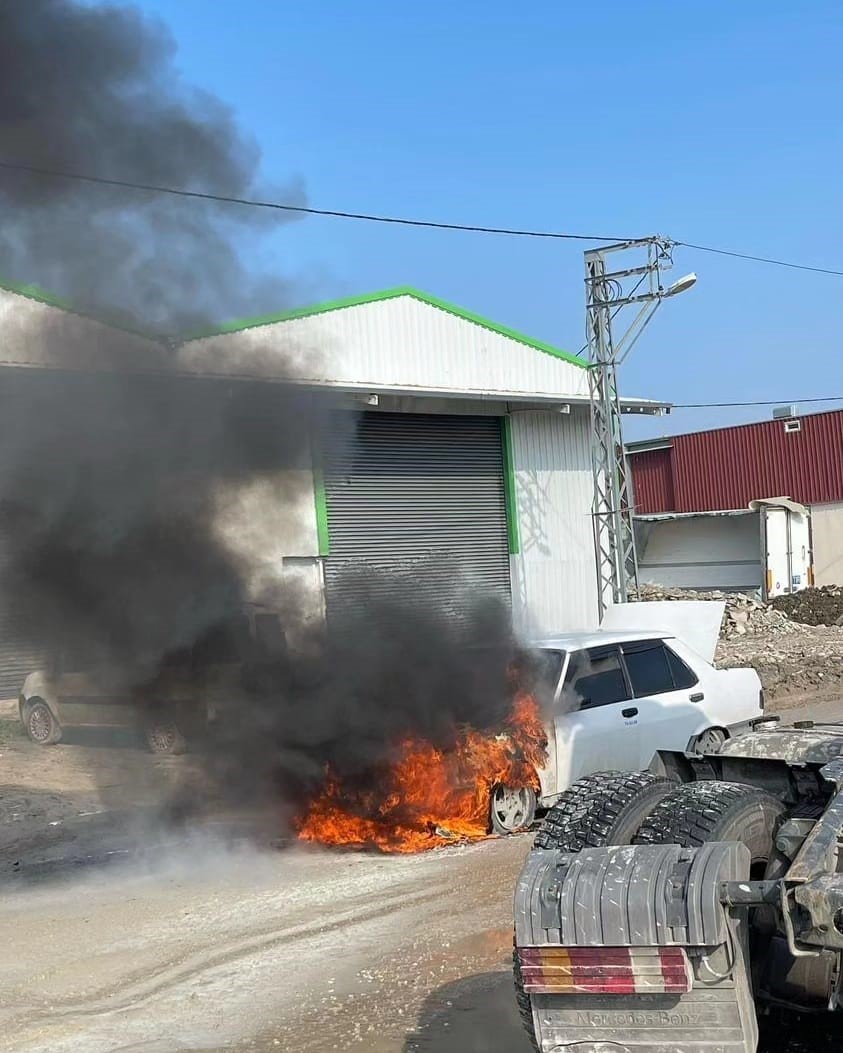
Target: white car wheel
(710,741)
(512,809)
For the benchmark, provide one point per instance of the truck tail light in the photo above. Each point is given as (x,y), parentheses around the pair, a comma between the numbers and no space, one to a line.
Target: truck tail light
(762,701)
(605,970)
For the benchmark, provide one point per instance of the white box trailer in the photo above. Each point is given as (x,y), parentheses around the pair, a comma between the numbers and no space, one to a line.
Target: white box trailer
(764,548)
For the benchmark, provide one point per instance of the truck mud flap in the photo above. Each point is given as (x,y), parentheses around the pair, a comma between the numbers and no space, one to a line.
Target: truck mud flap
(630,950)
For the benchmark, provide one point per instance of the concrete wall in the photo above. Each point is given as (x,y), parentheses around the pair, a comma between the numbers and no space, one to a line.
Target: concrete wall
(554,580)
(269,522)
(827,525)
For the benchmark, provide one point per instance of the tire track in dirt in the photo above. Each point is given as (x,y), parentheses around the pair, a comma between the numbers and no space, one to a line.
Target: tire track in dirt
(140,989)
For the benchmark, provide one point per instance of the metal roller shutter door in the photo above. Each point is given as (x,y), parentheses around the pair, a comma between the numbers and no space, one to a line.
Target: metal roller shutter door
(18,658)
(417,510)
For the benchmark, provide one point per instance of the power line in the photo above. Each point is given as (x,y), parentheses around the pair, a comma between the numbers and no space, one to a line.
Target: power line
(302,209)
(775,402)
(376,218)
(760,259)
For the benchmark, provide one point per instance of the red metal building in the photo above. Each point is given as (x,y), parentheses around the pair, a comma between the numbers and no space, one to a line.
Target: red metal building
(799,457)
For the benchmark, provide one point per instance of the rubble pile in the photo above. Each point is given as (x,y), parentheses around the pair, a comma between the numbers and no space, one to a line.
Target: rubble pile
(822,606)
(744,615)
(807,663)
(793,656)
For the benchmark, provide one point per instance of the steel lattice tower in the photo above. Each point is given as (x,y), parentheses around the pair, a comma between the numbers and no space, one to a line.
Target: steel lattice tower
(607,294)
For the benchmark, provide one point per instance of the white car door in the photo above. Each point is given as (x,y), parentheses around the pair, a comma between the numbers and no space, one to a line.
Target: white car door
(596,723)
(668,695)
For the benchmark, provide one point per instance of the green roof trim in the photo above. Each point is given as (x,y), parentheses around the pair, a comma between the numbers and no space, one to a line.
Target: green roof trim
(390,294)
(39,295)
(35,292)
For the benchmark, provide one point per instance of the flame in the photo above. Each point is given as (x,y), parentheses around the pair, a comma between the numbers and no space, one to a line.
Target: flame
(430,797)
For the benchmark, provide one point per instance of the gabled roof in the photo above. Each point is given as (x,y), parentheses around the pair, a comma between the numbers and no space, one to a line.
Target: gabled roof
(36,293)
(389,294)
(441,354)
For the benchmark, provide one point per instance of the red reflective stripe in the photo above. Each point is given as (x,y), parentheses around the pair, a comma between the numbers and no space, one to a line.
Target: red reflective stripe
(530,955)
(610,985)
(601,955)
(674,970)
(604,970)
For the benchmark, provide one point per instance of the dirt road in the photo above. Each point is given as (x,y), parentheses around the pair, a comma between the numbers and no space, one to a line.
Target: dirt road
(218,947)
(118,933)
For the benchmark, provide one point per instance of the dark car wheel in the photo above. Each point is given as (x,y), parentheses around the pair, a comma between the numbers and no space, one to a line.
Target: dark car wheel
(41,724)
(165,736)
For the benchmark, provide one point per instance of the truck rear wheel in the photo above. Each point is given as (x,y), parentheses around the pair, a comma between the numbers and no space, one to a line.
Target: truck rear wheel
(725,811)
(606,808)
(601,809)
(699,812)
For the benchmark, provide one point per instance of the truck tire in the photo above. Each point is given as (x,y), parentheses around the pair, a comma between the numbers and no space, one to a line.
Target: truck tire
(601,809)
(606,808)
(699,812)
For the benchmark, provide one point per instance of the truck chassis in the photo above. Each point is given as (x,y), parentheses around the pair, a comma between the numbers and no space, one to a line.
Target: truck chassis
(656,917)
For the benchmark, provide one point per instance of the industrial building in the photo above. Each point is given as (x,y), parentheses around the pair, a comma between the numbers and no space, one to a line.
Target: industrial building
(467,465)
(678,479)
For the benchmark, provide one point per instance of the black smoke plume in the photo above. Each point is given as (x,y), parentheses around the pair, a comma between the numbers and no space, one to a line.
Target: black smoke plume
(109,481)
(93,90)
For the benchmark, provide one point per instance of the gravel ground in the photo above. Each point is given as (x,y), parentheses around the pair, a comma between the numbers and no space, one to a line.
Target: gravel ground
(119,934)
(808,661)
(210,947)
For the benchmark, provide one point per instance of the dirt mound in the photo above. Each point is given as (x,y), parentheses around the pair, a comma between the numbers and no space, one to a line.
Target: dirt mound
(822,606)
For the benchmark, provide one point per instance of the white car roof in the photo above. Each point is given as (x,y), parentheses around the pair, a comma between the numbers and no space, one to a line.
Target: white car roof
(596,638)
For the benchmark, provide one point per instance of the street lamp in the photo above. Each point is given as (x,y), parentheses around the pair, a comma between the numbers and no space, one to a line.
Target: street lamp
(681,285)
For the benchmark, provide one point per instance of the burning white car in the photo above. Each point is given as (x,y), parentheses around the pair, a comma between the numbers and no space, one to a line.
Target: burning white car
(624,700)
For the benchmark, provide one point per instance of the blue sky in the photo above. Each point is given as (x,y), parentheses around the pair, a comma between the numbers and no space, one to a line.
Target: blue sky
(716,123)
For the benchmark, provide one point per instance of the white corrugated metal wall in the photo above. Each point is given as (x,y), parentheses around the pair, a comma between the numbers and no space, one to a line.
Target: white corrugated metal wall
(554,580)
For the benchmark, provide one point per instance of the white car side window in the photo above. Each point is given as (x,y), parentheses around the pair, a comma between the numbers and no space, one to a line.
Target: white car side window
(683,676)
(595,678)
(655,670)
